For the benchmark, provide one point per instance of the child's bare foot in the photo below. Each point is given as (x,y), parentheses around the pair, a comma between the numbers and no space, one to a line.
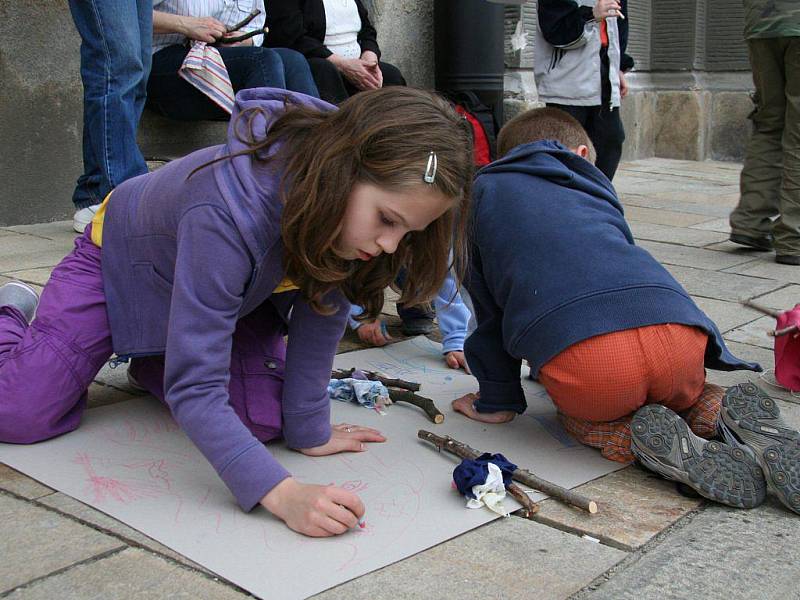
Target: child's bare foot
(466,406)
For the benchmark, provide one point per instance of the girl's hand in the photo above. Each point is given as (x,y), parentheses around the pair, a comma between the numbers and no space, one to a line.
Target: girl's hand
(605,9)
(466,406)
(314,510)
(457,360)
(203,29)
(374,333)
(345,438)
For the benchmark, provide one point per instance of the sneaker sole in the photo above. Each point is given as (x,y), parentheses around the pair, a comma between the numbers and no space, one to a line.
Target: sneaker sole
(755,419)
(663,443)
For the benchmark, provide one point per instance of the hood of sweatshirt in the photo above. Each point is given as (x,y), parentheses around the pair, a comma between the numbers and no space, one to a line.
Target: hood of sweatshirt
(250,188)
(552,161)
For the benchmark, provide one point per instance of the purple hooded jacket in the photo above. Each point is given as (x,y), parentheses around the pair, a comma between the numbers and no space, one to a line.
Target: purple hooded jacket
(183,260)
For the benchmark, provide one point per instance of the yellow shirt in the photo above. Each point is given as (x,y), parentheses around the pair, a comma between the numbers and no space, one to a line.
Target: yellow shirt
(285,285)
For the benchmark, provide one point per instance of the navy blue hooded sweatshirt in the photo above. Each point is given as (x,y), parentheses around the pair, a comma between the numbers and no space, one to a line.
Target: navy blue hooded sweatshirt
(554,263)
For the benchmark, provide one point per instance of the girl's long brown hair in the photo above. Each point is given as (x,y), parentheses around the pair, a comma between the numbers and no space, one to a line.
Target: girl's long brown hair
(382,137)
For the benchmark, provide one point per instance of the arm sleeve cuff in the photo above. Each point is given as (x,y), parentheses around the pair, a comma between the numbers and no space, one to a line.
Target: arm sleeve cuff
(307,430)
(252,474)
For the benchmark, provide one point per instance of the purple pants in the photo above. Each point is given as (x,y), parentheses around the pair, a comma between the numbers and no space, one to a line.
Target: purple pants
(46,367)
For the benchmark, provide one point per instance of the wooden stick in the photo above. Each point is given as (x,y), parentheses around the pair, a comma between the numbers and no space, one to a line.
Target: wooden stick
(253,14)
(411,386)
(762,309)
(784,331)
(529,507)
(240,38)
(522,475)
(426,404)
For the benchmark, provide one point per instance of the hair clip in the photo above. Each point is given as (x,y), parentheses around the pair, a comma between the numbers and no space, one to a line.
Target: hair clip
(430,169)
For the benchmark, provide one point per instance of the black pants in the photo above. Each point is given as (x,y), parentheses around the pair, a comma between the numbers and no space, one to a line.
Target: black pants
(605,129)
(334,88)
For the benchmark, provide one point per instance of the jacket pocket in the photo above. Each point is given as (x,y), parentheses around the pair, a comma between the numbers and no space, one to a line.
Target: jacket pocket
(256,389)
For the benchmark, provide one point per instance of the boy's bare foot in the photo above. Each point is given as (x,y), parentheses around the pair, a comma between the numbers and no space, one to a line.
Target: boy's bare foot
(466,406)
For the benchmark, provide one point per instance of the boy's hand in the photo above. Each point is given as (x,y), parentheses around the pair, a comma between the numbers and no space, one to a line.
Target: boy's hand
(623,85)
(345,438)
(314,510)
(604,9)
(457,360)
(374,333)
(466,406)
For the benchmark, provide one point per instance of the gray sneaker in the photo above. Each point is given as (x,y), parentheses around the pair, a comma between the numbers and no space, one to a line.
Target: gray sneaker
(663,443)
(750,417)
(21,296)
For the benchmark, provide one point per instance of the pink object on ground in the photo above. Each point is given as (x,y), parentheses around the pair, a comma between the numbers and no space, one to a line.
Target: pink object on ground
(787,351)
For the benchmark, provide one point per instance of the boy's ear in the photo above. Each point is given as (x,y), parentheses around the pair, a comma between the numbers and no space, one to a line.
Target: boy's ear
(582,150)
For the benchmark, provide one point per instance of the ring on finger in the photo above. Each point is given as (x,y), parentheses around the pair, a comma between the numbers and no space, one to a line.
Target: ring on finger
(348,429)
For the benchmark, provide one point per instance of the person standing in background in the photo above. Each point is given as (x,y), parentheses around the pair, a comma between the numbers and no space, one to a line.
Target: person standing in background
(580,68)
(116,37)
(770,181)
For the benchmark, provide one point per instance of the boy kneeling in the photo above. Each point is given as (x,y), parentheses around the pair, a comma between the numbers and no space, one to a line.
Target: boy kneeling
(557,279)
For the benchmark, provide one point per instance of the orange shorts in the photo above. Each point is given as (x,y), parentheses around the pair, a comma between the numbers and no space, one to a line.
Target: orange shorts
(609,376)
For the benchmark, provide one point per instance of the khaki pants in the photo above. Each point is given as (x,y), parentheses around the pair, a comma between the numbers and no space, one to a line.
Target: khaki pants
(770,181)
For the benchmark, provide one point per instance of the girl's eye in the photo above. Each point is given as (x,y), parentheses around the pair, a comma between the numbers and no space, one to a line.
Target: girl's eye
(386,221)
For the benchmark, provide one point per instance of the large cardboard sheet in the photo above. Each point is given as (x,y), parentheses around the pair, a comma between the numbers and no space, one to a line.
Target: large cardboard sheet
(131,461)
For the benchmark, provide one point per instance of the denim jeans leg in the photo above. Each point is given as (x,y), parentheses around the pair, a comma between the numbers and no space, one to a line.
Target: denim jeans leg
(116,37)
(253,67)
(297,72)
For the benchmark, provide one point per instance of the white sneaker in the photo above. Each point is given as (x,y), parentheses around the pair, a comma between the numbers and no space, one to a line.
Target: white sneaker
(21,296)
(83,217)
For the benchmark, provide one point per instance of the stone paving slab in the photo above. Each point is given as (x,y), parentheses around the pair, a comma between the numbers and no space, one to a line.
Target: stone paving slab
(720,225)
(754,333)
(663,217)
(70,506)
(510,558)
(36,277)
(36,542)
(726,315)
(721,553)
(102,395)
(22,252)
(21,485)
(782,299)
(767,267)
(730,287)
(634,506)
(132,574)
(675,235)
(672,254)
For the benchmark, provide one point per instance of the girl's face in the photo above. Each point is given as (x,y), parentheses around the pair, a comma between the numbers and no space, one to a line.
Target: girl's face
(376,219)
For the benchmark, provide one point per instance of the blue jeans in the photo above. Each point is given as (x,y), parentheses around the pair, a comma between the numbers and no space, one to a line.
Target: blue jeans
(248,67)
(116,42)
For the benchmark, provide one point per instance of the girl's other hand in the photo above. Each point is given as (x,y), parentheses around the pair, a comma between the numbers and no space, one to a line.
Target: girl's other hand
(457,360)
(374,333)
(466,406)
(314,510)
(203,29)
(345,438)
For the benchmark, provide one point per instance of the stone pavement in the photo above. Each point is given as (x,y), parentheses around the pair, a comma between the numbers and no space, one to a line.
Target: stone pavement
(646,542)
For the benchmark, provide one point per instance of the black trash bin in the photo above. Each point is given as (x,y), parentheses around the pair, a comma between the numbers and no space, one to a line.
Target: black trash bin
(468,41)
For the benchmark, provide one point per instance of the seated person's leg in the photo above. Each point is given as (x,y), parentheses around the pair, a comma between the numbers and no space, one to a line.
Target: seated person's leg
(597,385)
(330,82)
(297,73)
(253,67)
(172,96)
(391,75)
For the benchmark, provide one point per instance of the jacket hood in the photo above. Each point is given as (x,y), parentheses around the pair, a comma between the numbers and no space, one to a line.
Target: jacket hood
(554,162)
(250,188)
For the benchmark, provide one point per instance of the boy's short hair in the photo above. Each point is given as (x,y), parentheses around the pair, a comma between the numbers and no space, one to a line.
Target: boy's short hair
(546,123)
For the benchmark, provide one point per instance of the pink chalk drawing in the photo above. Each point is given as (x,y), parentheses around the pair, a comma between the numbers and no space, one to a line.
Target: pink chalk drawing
(155,434)
(111,488)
